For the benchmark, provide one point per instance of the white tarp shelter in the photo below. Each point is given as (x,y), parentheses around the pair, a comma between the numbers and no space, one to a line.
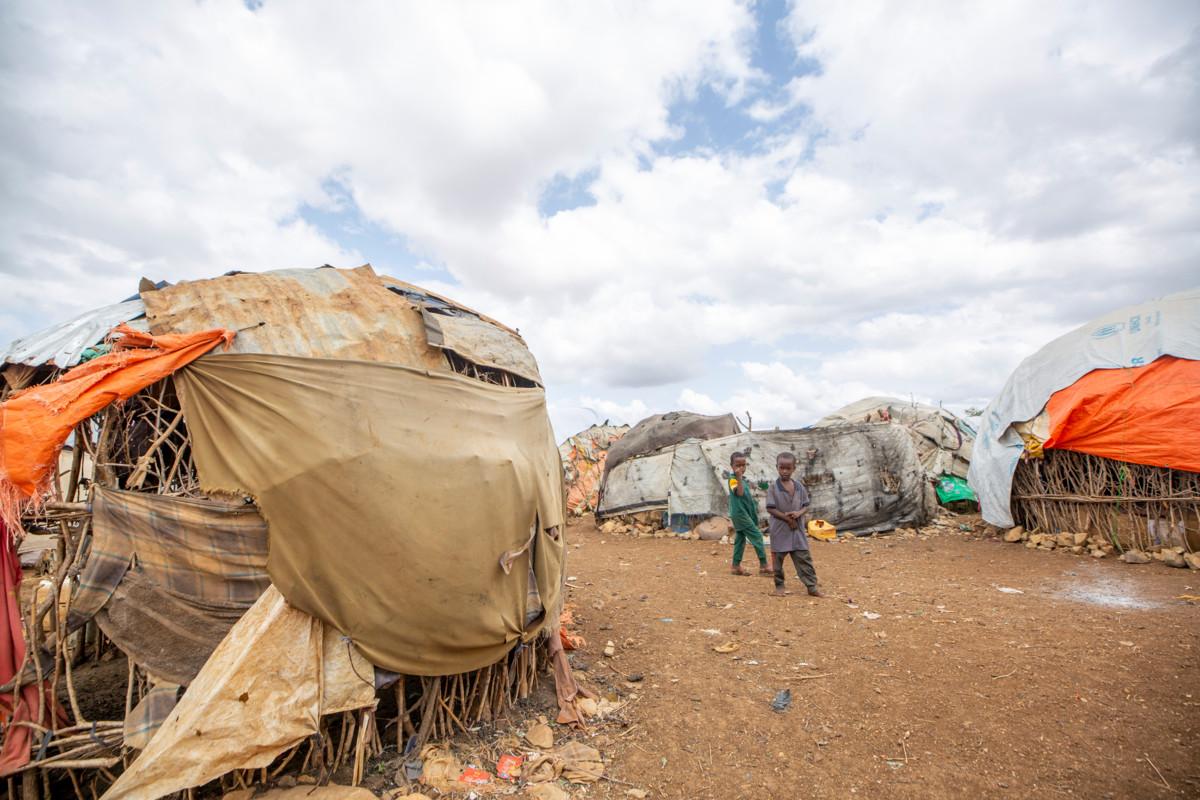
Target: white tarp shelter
(1130,337)
(943,440)
(864,478)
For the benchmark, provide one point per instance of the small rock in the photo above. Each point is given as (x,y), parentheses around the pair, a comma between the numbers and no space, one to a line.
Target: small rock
(1065,540)
(1135,557)
(1173,559)
(1014,534)
(1077,549)
(1098,554)
(610,649)
(1031,544)
(638,793)
(287,781)
(1081,539)
(1192,560)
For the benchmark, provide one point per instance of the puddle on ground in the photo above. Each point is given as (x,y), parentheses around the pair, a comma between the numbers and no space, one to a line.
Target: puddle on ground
(1106,591)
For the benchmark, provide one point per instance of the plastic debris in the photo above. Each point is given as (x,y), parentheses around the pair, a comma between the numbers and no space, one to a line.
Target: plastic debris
(509,766)
(475,776)
(782,701)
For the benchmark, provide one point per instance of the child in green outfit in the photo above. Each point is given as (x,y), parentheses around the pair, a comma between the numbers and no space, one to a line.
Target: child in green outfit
(743,511)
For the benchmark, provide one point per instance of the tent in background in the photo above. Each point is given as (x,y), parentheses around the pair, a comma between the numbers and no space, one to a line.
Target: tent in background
(1100,430)
(862,478)
(943,440)
(583,457)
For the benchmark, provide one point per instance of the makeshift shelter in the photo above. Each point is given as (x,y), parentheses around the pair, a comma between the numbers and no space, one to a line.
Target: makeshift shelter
(862,478)
(653,434)
(319,483)
(1099,431)
(943,440)
(583,457)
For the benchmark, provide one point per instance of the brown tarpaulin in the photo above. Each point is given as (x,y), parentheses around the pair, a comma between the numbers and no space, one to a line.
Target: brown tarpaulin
(264,690)
(391,495)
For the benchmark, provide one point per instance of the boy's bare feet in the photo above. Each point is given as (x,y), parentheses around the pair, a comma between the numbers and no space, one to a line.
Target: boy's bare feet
(764,570)
(815,592)
(738,570)
(779,592)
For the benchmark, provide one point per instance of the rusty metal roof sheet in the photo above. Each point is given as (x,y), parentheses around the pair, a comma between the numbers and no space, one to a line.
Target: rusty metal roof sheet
(62,345)
(316,313)
(481,343)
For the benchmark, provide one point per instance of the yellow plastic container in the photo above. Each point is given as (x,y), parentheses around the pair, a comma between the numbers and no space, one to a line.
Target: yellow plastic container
(820,529)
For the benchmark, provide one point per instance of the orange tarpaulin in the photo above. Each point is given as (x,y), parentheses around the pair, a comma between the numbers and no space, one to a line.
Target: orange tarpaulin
(1145,415)
(34,423)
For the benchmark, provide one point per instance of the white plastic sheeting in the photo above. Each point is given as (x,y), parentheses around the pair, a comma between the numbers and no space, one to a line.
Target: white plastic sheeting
(696,489)
(863,478)
(639,484)
(63,344)
(943,441)
(1130,337)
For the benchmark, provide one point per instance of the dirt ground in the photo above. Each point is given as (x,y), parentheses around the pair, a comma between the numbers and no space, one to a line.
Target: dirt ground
(1085,684)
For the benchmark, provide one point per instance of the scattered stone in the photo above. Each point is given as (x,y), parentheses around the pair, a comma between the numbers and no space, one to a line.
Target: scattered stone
(610,649)
(714,528)
(1192,560)
(287,781)
(1173,559)
(1014,534)
(1077,549)
(637,793)
(1135,557)
(1031,544)
(1065,540)
(1098,554)
(1081,539)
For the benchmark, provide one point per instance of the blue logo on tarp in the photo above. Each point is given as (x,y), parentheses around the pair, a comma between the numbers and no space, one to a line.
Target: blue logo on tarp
(1105,331)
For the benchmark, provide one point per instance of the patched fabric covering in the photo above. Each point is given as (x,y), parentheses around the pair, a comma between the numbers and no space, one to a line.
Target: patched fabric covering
(392,495)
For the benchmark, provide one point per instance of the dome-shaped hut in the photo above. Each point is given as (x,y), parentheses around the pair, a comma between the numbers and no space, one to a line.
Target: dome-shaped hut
(308,485)
(1099,432)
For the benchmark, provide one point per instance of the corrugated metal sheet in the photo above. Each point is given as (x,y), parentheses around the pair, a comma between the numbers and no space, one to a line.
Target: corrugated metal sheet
(482,343)
(317,313)
(63,344)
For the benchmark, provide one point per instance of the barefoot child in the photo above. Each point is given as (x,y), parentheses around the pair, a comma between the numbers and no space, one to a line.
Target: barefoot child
(787,504)
(743,512)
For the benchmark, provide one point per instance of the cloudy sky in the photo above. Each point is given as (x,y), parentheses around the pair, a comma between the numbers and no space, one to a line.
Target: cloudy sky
(769,207)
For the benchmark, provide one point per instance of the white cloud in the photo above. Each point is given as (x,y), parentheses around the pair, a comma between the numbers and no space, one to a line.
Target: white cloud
(617,413)
(180,140)
(964,184)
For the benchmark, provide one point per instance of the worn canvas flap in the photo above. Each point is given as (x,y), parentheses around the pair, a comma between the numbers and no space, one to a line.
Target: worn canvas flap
(390,495)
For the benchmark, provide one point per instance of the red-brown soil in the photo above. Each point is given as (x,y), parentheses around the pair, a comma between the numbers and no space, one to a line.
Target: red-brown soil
(1080,686)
